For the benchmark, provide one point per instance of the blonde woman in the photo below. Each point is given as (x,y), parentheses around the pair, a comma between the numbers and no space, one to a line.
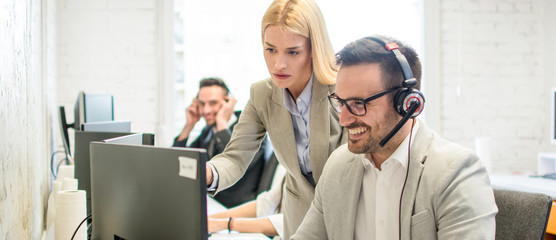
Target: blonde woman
(291,107)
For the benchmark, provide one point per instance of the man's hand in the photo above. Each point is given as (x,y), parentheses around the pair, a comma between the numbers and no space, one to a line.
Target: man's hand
(192,113)
(225,113)
(193,116)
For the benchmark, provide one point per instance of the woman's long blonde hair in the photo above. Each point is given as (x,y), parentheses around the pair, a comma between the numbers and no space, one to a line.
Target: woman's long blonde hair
(305,18)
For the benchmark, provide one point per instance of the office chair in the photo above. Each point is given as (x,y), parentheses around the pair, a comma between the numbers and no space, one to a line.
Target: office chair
(521,215)
(267,174)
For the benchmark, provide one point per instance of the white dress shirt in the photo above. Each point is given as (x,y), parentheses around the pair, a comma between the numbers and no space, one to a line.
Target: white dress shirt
(300,109)
(268,202)
(379,201)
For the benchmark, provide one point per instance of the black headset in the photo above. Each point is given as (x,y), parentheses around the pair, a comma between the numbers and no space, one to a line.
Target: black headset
(406,94)
(408,101)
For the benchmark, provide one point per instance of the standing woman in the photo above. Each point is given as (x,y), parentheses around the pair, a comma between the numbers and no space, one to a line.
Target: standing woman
(291,106)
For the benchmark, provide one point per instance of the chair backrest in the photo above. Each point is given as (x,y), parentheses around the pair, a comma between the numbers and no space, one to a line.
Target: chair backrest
(267,174)
(521,215)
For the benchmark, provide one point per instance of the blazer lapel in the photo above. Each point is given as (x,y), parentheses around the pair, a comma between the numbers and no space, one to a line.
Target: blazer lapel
(283,138)
(351,189)
(419,152)
(320,128)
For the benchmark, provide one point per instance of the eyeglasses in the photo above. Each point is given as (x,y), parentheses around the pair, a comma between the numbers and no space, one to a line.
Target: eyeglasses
(356,106)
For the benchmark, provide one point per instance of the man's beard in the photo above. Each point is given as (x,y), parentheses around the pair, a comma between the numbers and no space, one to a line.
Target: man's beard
(371,143)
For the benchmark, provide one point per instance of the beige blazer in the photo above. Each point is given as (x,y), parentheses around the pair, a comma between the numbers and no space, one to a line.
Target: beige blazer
(265,113)
(447,195)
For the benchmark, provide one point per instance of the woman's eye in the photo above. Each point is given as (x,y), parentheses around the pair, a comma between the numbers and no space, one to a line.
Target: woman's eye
(293,52)
(271,50)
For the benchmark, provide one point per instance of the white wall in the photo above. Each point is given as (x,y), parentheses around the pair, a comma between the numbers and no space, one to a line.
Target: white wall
(114,46)
(549,63)
(25,116)
(493,78)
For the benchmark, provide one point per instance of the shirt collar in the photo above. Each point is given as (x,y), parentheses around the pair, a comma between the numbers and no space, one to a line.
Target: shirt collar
(400,154)
(304,98)
(232,120)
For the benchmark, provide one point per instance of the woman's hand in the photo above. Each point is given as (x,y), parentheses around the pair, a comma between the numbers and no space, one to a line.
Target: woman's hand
(217,224)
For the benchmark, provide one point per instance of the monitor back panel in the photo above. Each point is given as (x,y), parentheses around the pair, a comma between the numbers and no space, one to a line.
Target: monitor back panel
(82,158)
(146,192)
(108,126)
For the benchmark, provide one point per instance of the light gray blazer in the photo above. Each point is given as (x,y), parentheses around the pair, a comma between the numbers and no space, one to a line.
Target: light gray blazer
(265,112)
(447,195)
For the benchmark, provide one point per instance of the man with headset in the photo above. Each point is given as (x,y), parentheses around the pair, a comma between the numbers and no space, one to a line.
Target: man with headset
(395,179)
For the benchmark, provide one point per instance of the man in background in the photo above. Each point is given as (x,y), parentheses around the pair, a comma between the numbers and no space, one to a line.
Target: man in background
(215,104)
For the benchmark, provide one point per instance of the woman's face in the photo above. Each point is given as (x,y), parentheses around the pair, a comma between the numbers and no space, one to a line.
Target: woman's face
(288,58)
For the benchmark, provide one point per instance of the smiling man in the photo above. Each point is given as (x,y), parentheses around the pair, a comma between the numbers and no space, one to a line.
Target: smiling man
(214,103)
(395,178)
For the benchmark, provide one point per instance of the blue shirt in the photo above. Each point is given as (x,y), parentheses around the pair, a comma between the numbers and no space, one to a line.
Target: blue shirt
(300,111)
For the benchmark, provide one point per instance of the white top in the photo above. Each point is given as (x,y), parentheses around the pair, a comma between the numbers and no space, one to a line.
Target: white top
(267,202)
(378,208)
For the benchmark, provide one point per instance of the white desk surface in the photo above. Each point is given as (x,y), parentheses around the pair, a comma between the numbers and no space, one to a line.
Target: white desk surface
(523,182)
(239,236)
(213,207)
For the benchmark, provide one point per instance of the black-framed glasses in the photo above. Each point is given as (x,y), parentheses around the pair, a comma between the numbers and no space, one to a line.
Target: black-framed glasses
(356,106)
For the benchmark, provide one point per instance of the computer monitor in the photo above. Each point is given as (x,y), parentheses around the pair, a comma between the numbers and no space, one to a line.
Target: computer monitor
(82,156)
(89,108)
(147,192)
(109,126)
(64,126)
(93,107)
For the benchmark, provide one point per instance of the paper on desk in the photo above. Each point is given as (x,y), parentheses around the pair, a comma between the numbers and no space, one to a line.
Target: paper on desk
(239,236)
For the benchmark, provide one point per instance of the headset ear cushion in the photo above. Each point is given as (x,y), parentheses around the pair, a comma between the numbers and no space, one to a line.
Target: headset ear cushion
(403,99)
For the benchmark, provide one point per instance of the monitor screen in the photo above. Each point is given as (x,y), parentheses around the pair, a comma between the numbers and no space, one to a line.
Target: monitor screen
(64,126)
(147,192)
(82,156)
(93,107)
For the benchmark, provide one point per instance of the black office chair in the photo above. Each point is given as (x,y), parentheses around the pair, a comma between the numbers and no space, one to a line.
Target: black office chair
(267,175)
(521,215)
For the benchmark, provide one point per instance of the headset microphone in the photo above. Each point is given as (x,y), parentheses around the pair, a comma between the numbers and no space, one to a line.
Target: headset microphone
(413,107)
(408,101)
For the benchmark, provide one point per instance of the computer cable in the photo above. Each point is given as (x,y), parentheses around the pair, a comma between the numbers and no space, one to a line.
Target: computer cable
(59,164)
(88,217)
(54,173)
(405,181)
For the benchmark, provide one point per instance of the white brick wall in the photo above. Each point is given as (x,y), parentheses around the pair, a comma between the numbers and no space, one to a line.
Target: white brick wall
(111,46)
(493,81)
(24,118)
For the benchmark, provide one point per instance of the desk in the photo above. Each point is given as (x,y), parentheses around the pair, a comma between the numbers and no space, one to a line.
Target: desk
(213,207)
(524,183)
(238,236)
